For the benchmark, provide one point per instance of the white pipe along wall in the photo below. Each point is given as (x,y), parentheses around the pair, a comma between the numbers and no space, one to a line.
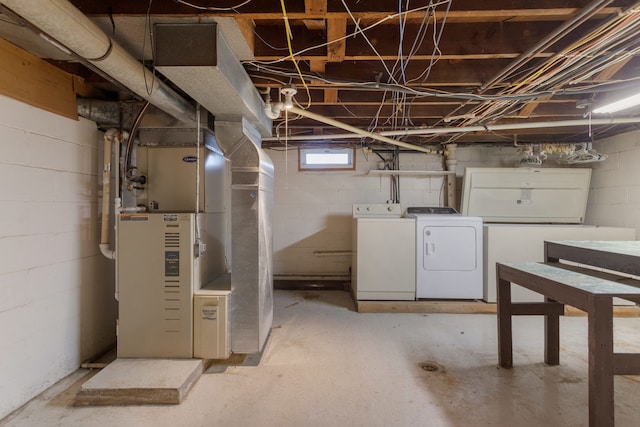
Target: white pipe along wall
(105,249)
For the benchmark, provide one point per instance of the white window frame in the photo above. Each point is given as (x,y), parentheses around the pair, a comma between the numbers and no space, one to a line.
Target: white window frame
(305,152)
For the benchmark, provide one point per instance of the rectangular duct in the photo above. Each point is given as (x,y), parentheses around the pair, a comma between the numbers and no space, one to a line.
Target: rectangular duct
(198,59)
(252,176)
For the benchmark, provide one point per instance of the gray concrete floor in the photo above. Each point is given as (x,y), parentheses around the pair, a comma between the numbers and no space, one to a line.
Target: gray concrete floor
(326,365)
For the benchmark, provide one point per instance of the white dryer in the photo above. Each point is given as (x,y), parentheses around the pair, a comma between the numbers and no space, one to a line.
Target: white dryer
(448,254)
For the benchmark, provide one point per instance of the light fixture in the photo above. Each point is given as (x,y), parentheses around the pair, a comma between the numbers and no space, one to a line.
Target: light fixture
(622,104)
(288,91)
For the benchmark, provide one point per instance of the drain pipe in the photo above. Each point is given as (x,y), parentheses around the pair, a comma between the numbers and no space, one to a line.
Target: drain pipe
(105,247)
(69,27)
(355,130)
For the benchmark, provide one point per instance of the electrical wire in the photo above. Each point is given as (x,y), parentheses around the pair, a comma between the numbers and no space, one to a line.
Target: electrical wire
(289,36)
(608,86)
(564,73)
(353,34)
(219,9)
(134,129)
(360,31)
(147,24)
(572,64)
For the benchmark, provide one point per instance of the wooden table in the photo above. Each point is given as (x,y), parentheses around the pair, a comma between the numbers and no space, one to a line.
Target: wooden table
(588,290)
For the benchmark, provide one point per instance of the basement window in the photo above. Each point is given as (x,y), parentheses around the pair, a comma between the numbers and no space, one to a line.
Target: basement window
(323,158)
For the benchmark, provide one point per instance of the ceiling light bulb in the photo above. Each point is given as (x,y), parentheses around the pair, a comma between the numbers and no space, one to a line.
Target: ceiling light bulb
(288,92)
(622,104)
(288,102)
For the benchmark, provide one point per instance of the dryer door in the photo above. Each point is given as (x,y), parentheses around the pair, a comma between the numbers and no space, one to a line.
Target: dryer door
(449,248)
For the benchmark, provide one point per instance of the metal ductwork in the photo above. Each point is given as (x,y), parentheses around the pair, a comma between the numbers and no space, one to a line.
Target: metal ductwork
(251,230)
(198,59)
(69,27)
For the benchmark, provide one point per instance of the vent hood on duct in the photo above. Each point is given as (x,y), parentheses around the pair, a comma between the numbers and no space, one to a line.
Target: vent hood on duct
(198,59)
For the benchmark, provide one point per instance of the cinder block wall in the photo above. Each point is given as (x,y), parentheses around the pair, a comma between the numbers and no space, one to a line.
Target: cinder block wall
(614,198)
(56,291)
(313,210)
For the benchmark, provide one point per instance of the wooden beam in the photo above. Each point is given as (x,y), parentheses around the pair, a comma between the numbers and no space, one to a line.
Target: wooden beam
(83,89)
(31,80)
(486,11)
(608,72)
(315,7)
(317,66)
(246,28)
(336,30)
(315,24)
(329,95)
(463,41)
(531,106)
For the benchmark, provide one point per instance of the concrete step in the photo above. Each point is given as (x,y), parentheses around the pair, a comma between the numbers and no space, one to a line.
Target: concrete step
(140,382)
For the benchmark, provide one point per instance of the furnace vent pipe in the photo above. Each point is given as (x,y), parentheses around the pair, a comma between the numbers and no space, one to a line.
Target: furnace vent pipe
(60,20)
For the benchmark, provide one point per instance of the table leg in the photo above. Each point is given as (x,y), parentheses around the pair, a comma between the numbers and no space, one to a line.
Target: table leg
(551,337)
(601,408)
(505,338)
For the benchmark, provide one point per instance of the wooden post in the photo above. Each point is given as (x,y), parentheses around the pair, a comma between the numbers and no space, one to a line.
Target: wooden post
(551,336)
(601,408)
(505,338)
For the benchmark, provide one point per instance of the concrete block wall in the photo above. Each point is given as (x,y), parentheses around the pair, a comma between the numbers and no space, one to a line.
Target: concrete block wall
(614,198)
(313,210)
(56,291)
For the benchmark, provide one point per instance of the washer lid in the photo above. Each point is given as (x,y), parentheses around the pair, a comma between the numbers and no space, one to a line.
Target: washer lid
(432,210)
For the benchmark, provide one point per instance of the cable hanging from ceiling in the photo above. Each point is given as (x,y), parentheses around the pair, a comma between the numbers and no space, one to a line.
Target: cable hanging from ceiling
(564,73)
(570,66)
(212,8)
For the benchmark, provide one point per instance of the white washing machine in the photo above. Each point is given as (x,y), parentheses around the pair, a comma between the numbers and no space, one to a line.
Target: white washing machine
(448,254)
(383,263)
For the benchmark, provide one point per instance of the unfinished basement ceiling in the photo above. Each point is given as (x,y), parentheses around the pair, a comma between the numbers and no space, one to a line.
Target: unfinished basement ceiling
(385,66)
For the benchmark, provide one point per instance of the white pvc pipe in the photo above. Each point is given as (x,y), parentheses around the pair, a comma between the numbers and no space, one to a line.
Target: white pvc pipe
(105,247)
(60,20)
(447,130)
(355,130)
